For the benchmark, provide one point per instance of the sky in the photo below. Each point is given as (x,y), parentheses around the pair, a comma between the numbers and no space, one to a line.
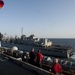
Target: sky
(43,18)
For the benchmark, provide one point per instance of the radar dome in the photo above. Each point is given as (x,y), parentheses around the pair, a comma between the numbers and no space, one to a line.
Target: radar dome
(13,49)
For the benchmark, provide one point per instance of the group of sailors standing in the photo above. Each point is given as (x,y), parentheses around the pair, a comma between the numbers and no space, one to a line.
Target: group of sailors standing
(36,59)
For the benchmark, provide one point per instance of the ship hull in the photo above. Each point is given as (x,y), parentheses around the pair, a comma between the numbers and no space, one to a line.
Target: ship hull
(48,52)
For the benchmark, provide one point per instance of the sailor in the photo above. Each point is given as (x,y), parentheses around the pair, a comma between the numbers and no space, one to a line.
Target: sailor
(56,68)
(32,56)
(39,58)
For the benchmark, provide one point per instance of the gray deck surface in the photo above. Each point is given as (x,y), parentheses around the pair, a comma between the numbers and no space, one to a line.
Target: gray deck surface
(9,68)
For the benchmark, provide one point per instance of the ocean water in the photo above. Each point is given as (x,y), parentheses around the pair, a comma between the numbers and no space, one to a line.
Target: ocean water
(65,42)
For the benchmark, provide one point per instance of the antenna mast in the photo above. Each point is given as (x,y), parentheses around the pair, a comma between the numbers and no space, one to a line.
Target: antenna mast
(22,31)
